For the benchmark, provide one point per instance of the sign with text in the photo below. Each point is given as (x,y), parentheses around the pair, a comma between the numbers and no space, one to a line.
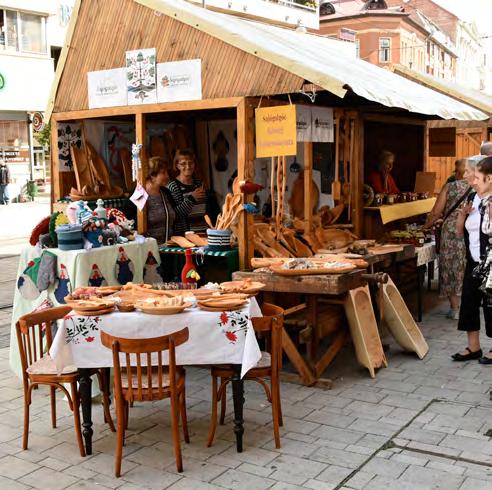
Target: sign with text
(179,80)
(276,131)
(107,88)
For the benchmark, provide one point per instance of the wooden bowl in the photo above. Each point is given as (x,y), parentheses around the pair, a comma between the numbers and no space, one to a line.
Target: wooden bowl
(125,307)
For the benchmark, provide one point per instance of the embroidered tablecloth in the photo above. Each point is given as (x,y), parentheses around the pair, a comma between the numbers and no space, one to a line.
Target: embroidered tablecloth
(112,265)
(214,337)
(425,254)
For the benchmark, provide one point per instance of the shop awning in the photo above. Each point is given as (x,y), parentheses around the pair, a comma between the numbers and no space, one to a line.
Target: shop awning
(467,95)
(318,60)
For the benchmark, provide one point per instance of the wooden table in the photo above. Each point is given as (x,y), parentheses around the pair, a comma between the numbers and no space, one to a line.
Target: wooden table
(329,285)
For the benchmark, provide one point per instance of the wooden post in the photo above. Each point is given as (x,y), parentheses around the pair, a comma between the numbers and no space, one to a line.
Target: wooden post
(308,177)
(357,176)
(245,170)
(55,165)
(142,174)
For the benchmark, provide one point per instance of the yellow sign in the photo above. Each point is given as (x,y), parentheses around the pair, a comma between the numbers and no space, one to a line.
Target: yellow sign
(276,131)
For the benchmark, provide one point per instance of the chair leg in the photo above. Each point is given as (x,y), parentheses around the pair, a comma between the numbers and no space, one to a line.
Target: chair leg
(276,416)
(104,387)
(223,400)
(120,435)
(280,417)
(76,417)
(184,417)
(175,432)
(53,406)
(127,412)
(27,403)
(213,417)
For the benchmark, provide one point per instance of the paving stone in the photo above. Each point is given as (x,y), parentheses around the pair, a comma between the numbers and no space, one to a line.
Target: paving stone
(188,483)
(14,468)
(424,436)
(373,427)
(476,484)
(199,470)
(238,480)
(449,468)
(263,471)
(334,474)
(294,470)
(467,444)
(339,435)
(44,478)
(331,419)
(431,477)
(8,484)
(147,477)
(290,446)
(54,464)
(380,482)
(360,480)
(338,457)
(384,467)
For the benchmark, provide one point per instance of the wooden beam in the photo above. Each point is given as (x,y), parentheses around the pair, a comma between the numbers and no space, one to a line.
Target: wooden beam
(357,176)
(55,165)
(308,177)
(140,133)
(245,171)
(388,118)
(192,105)
(297,360)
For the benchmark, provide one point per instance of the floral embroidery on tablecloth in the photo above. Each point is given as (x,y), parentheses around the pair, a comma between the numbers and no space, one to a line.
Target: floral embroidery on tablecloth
(82,329)
(233,323)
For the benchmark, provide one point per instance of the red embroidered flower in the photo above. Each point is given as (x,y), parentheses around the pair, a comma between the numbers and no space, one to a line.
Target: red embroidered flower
(231,336)
(89,339)
(224,318)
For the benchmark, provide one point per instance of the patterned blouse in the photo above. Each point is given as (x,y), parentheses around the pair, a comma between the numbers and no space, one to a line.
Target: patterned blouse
(160,216)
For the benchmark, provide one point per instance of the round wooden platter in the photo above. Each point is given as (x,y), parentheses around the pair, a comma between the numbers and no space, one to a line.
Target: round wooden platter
(163,310)
(252,287)
(313,272)
(90,305)
(221,308)
(94,312)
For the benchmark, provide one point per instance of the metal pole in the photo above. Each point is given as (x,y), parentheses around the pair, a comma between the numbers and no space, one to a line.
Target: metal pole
(31,148)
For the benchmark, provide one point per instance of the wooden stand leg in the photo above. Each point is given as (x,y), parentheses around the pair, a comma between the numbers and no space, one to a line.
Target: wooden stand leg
(85,389)
(297,360)
(420,280)
(238,398)
(312,314)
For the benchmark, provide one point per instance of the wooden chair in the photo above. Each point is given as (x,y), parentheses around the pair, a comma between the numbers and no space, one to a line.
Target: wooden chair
(34,337)
(268,367)
(147,382)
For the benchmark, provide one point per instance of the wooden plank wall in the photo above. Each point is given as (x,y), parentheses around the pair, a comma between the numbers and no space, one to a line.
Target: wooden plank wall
(467,144)
(106,29)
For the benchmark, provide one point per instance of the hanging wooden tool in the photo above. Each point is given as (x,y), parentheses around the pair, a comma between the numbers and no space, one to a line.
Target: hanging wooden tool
(336,186)
(273,172)
(349,164)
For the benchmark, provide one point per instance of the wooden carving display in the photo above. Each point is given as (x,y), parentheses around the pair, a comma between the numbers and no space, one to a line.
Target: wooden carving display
(296,200)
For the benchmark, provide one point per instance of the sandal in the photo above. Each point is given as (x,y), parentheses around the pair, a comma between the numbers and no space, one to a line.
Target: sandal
(485,360)
(469,357)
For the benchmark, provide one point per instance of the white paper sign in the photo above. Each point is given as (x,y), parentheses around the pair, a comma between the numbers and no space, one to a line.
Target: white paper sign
(140,70)
(303,122)
(179,80)
(322,124)
(107,88)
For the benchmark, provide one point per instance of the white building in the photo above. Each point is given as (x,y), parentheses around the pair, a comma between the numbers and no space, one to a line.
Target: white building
(31,36)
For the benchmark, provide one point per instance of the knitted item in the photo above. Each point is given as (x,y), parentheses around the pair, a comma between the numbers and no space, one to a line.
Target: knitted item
(47,271)
(40,229)
(27,282)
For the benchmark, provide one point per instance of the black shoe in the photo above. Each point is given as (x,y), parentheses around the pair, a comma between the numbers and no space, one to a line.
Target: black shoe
(485,360)
(468,357)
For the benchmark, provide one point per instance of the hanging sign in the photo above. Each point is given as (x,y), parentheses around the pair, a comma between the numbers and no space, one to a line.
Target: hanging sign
(140,69)
(322,124)
(303,123)
(107,88)
(179,80)
(276,131)
(37,121)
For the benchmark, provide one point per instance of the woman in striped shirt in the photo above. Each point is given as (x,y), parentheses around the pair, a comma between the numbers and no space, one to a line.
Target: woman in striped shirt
(188,194)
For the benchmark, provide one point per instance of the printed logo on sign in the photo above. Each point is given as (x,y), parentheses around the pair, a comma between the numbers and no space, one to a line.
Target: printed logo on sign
(2,81)
(107,87)
(176,81)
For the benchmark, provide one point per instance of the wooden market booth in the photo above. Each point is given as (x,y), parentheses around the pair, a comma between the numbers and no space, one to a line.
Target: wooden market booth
(245,65)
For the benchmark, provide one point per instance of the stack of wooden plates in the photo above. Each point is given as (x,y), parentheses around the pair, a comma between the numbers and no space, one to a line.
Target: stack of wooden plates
(162,306)
(247,287)
(95,307)
(225,302)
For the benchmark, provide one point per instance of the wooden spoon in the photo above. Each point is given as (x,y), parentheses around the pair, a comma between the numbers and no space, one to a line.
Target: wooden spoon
(209,221)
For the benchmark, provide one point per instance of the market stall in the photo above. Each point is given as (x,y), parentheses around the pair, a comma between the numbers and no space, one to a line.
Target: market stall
(303,197)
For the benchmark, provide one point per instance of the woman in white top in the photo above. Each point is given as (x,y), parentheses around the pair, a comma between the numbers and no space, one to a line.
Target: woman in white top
(468,226)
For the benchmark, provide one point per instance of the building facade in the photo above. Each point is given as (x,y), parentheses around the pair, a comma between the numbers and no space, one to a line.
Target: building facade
(31,36)
(387,36)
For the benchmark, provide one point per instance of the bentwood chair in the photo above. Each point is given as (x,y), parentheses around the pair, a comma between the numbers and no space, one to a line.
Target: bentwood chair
(269,325)
(142,377)
(34,337)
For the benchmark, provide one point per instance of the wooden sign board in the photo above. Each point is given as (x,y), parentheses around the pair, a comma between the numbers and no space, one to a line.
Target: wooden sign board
(276,133)
(425,182)
(442,142)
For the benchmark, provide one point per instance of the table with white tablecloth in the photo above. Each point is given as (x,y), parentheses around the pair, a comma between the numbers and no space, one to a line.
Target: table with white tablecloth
(108,265)
(225,337)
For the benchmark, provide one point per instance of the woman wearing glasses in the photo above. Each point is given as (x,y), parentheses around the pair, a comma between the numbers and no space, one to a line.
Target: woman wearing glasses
(188,194)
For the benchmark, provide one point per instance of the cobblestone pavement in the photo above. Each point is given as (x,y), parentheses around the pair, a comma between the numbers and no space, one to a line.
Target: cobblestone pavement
(417,425)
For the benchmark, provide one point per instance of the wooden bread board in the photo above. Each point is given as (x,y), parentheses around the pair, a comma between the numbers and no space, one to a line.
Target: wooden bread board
(364,329)
(385,249)
(312,272)
(400,322)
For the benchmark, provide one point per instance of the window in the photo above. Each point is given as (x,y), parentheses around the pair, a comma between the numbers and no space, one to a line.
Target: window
(357,48)
(20,31)
(384,49)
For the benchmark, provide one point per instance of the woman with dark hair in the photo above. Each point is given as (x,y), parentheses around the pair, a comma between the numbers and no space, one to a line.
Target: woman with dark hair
(188,193)
(470,225)
(160,207)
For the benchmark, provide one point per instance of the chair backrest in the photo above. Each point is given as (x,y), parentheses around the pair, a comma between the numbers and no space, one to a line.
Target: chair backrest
(34,335)
(271,322)
(141,384)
